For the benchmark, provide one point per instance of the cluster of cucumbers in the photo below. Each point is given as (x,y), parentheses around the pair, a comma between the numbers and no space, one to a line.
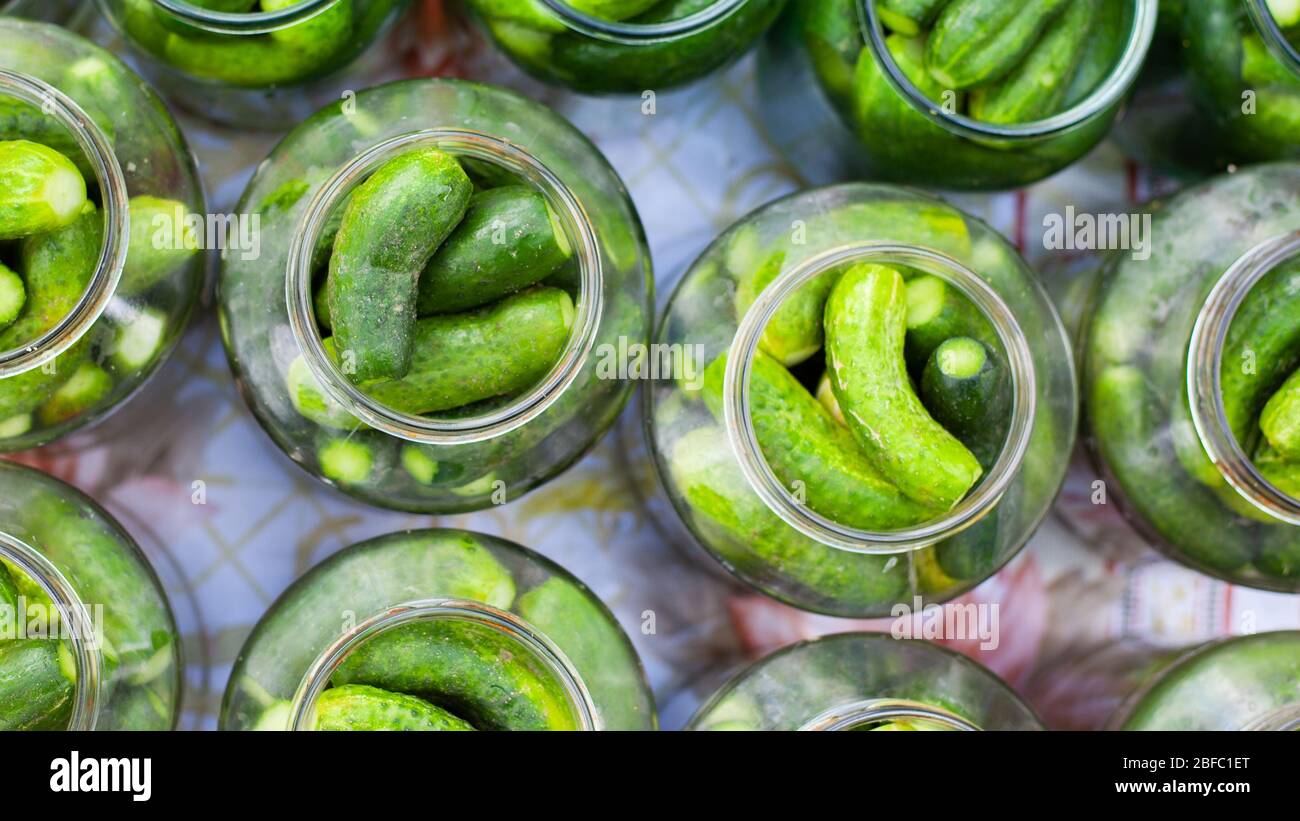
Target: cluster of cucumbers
(51,236)
(37,675)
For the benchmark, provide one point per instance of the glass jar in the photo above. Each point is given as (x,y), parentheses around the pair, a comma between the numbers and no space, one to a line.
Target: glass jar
(83,618)
(49,11)
(771,274)
(664,43)
(1164,329)
(865,681)
(66,362)
(258,63)
(452,462)
(539,638)
(839,106)
(1242,683)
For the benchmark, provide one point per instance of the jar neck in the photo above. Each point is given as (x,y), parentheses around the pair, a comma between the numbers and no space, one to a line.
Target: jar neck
(526,643)
(860,715)
(1204,383)
(72,623)
(242,23)
(1108,94)
(1272,35)
(98,150)
(744,439)
(572,218)
(641,34)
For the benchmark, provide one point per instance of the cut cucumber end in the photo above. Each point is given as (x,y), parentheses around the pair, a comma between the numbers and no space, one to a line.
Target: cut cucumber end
(897,22)
(961,357)
(420,465)
(567,310)
(1285,12)
(557,228)
(15,425)
(138,343)
(13,295)
(925,299)
(65,192)
(345,460)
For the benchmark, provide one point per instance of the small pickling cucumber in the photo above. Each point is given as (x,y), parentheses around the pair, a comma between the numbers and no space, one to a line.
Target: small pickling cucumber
(815,457)
(1286,13)
(508,240)
(162,241)
(311,400)
(320,304)
(938,311)
(20,120)
(361,708)
(1261,350)
(866,324)
(524,14)
(8,590)
(832,35)
(499,350)
(468,669)
(1101,53)
(1280,419)
(35,693)
(15,426)
(346,460)
(138,341)
(1036,87)
(13,295)
(909,17)
(40,189)
(393,223)
(89,386)
(1279,470)
(613,10)
(794,333)
(974,42)
(967,390)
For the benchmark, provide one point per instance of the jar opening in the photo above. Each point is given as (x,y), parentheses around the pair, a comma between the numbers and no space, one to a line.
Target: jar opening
(1107,93)
(1279,45)
(526,644)
(98,151)
(880,712)
(979,502)
(570,216)
(1283,719)
(1205,376)
(240,23)
(639,34)
(84,633)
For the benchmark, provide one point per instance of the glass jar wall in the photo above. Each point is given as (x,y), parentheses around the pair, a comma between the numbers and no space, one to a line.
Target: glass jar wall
(48,11)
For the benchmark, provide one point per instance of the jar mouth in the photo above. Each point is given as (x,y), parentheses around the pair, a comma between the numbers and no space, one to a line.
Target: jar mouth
(744,439)
(302,711)
(224,22)
(639,34)
(1204,376)
(580,235)
(74,618)
(1271,33)
(1283,719)
(116,214)
(858,714)
(1108,93)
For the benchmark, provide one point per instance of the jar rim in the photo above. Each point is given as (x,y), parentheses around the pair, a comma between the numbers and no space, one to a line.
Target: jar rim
(856,714)
(317,676)
(239,23)
(640,34)
(1274,39)
(758,472)
(421,429)
(115,210)
(1204,372)
(1103,97)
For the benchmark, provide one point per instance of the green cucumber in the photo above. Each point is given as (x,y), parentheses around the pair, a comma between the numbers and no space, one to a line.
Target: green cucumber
(866,323)
(938,311)
(320,304)
(832,35)
(826,396)
(813,455)
(507,241)
(1280,419)
(40,189)
(1036,88)
(613,10)
(418,464)
(1261,350)
(15,426)
(312,402)
(794,333)
(500,350)
(35,694)
(162,241)
(909,55)
(13,295)
(20,120)
(1279,470)
(471,670)
(393,223)
(138,342)
(966,390)
(8,594)
(980,41)
(361,708)
(1101,53)
(346,460)
(909,17)
(89,386)
(1286,13)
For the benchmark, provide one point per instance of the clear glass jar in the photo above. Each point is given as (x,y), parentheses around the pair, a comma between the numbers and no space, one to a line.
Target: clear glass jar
(49,11)
(84,594)
(865,681)
(58,87)
(1242,683)
(268,321)
(778,263)
(839,106)
(666,43)
(550,644)
(266,64)
(1163,329)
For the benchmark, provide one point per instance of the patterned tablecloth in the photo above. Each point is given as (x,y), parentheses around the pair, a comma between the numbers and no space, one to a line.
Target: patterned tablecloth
(696,165)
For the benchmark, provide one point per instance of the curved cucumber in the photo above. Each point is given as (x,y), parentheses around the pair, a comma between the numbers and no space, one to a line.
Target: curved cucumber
(1280,419)
(909,17)
(938,311)
(967,391)
(393,223)
(866,323)
(40,189)
(980,41)
(361,708)
(507,241)
(13,295)
(1101,53)
(34,692)
(1262,349)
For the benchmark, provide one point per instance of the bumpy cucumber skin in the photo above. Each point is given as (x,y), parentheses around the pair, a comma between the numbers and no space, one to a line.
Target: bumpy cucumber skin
(980,41)
(20,120)
(13,296)
(469,670)
(40,189)
(156,249)
(866,323)
(975,408)
(8,589)
(34,694)
(1282,472)
(505,243)
(909,17)
(1102,52)
(810,452)
(1037,86)
(1265,333)
(391,227)
(360,708)
(499,350)
(1280,419)
(928,328)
